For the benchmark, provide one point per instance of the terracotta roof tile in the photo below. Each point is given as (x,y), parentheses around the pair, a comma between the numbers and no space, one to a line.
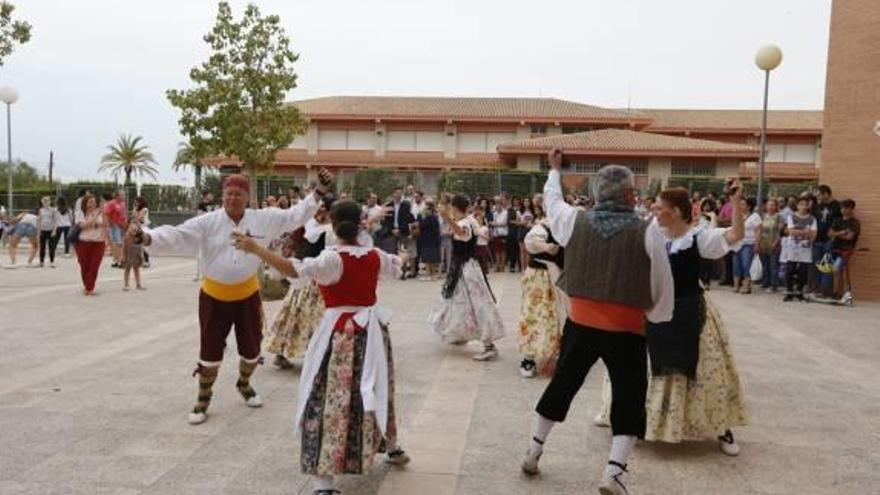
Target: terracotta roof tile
(733,120)
(391,159)
(629,142)
(443,108)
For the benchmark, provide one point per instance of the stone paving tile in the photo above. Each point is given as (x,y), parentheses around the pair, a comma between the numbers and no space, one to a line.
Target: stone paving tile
(94,394)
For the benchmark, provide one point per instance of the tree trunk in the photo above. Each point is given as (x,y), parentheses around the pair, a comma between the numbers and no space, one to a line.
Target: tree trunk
(251,172)
(128,194)
(198,169)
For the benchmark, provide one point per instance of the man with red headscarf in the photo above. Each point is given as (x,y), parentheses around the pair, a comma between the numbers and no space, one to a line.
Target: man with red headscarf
(230,291)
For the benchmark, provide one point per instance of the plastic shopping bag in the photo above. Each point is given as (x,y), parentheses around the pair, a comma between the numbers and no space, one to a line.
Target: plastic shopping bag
(756,271)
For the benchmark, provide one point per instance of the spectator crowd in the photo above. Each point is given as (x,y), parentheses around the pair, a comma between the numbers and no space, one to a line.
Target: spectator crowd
(804,244)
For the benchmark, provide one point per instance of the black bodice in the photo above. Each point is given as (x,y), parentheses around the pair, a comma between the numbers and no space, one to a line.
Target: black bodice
(685,266)
(558,258)
(464,249)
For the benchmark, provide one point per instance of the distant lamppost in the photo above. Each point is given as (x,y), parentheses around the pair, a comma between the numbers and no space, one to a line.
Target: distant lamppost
(9,96)
(768,58)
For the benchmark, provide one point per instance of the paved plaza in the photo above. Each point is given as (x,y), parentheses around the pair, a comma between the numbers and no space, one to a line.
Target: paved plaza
(94,394)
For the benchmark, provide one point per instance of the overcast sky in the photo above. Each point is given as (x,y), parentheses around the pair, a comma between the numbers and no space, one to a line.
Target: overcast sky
(98,68)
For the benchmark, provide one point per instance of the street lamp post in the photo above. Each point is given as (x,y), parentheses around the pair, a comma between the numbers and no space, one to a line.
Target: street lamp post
(768,58)
(9,96)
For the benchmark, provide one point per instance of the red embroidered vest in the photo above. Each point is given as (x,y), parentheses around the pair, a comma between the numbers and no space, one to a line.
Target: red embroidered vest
(357,286)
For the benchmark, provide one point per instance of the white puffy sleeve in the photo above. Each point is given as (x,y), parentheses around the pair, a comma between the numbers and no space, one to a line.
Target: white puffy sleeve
(469,230)
(326,269)
(562,215)
(277,221)
(712,243)
(662,283)
(184,239)
(536,240)
(391,266)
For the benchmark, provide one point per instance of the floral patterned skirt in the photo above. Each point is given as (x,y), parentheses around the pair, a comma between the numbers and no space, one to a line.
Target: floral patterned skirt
(300,314)
(338,435)
(679,409)
(470,313)
(540,329)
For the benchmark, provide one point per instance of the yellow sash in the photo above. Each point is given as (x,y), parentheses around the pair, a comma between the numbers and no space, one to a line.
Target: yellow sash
(231,292)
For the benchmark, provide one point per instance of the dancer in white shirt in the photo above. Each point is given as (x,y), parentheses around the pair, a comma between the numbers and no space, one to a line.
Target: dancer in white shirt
(230,291)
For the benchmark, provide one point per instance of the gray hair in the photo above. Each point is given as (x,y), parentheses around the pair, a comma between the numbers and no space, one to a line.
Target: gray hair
(612,182)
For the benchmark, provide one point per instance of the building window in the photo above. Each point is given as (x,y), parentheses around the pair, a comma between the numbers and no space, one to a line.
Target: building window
(637,166)
(493,139)
(429,141)
(693,168)
(401,141)
(539,129)
(573,129)
(332,139)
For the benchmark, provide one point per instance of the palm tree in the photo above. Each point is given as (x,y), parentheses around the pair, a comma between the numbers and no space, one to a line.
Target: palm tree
(129,156)
(188,156)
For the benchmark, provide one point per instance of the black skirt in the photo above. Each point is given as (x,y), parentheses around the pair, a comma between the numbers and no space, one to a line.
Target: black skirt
(674,346)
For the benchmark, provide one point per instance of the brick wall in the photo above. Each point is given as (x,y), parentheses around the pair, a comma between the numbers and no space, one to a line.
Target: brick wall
(850,150)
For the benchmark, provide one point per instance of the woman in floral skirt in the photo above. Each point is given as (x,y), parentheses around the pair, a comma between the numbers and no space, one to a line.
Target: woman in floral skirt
(346,394)
(543,307)
(467,310)
(303,307)
(694,391)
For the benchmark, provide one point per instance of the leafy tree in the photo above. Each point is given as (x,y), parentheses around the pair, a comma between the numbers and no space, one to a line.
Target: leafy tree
(189,157)
(24,176)
(381,181)
(12,32)
(237,108)
(129,156)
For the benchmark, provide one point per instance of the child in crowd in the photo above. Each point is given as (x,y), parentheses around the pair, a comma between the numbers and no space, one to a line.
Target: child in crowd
(132,258)
(483,238)
(798,249)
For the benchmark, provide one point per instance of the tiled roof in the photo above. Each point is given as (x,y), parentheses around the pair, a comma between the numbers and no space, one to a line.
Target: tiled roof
(469,109)
(401,159)
(808,121)
(782,171)
(623,141)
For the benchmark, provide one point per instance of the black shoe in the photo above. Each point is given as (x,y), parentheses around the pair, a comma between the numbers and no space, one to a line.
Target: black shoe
(788,298)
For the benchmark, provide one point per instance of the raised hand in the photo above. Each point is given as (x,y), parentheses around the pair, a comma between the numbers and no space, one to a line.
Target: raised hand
(325,179)
(554,158)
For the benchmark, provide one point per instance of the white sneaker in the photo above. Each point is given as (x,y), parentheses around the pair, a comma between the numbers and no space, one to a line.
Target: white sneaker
(197,418)
(601,421)
(10,266)
(52,265)
(254,401)
(487,355)
(530,462)
(728,444)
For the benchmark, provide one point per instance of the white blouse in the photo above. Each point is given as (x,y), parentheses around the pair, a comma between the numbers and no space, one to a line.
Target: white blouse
(536,239)
(210,236)
(470,225)
(711,242)
(326,269)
